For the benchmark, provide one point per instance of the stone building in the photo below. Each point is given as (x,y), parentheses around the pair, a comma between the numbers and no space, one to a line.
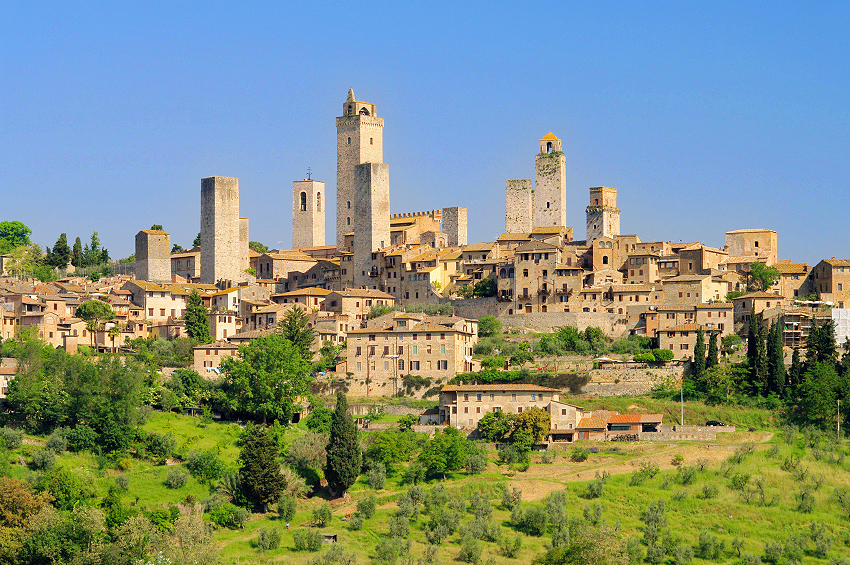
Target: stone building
(519,205)
(454,226)
(603,216)
(371,219)
(752,245)
(224,235)
(187,264)
(153,256)
(308,213)
(831,281)
(550,184)
(359,139)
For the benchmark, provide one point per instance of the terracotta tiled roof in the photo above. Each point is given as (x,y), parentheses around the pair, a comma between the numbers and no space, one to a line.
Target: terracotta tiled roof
(308,291)
(751,230)
(837,262)
(709,305)
(514,237)
(791,268)
(495,387)
(760,294)
(689,328)
(364,292)
(593,422)
(547,229)
(483,246)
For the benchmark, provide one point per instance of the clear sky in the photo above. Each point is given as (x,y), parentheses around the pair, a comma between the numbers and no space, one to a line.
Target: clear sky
(707,116)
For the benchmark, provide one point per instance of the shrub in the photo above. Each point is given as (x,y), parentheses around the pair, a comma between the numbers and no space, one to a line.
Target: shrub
(366,506)
(228,515)
(414,474)
(647,471)
(534,520)
(122,481)
(13,438)
(286,507)
(677,460)
(470,550)
(268,539)
(509,547)
(806,500)
(43,460)
(656,554)
(56,442)
(309,540)
(686,475)
(322,515)
(710,490)
(176,478)
(205,466)
(475,462)
(547,457)
(377,476)
(645,357)
(772,551)
(82,438)
(356,522)
(579,454)
(160,446)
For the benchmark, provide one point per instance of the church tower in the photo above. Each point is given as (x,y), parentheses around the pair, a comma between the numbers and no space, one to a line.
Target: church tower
(308,213)
(359,140)
(550,184)
(603,216)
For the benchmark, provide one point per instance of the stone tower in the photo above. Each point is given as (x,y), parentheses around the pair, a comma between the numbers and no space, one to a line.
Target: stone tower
(224,235)
(550,184)
(153,256)
(308,213)
(371,213)
(519,206)
(454,226)
(603,216)
(359,139)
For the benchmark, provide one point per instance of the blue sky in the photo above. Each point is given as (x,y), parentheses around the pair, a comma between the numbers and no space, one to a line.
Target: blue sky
(707,117)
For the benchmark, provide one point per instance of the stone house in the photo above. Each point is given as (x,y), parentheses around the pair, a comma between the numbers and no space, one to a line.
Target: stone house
(462,406)
(311,298)
(207,358)
(682,339)
(752,303)
(831,281)
(278,265)
(356,302)
(756,244)
(158,302)
(795,279)
(187,264)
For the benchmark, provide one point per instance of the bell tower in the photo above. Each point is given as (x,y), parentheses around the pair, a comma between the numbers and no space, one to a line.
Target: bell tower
(550,184)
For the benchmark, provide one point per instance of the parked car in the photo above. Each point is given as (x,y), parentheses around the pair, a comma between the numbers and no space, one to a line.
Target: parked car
(714,423)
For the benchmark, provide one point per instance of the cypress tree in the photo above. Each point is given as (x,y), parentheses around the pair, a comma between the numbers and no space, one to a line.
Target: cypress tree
(795,373)
(260,475)
(77,257)
(776,359)
(698,367)
(713,355)
(61,253)
(196,321)
(343,451)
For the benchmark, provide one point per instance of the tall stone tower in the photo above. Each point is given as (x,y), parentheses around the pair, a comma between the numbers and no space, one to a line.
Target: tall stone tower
(359,139)
(308,213)
(603,216)
(550,184)
(224,235)
(153,256)
(371,218)
(454,226)
(519,206)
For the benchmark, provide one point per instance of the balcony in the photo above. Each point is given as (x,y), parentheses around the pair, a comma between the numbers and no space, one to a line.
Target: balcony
(563,290)
(374,272)
(544,291)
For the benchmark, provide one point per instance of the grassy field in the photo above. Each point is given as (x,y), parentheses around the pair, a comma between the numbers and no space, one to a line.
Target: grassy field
(692,505)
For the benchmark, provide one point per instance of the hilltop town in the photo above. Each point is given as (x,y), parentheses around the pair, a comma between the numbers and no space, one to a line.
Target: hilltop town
(535,276)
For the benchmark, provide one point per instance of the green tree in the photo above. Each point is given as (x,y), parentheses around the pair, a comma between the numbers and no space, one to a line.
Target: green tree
(600,545)
(763,275)
(795,372)
(77,254)
(60,254)
(258,247)
(820,343)
(197,241)
(698,367)
(23,260)
(465,291)
(445,452)
(822,386)
(775,360)
(157,227)
(259,475)
(265,379)
(95,312)
(713,356)
(496,426)
(343,451)
(489,326)
(13,234)
(535,421)
(176,248)
(294,328)
(196,321)
(757,355)
(485,287)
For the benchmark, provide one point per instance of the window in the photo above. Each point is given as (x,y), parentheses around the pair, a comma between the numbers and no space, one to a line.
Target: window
(414,350)
(466,409)
(563,411)
(358,351)
(478,410)
(466,397)
(443,349)
(414,365)
(478,397)
(519,410)
(359,366)
(401,364)
(492,397)
(442,365)
(513,397)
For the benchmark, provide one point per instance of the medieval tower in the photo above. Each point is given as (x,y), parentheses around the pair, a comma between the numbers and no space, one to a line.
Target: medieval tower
(308,213)
(454,226)
(153,256)
(603,216)
(550,184)
(543,204)
(224,235)
(359,139)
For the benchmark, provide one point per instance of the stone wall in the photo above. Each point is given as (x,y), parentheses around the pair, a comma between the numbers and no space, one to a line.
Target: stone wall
(696,429)
(677,436)
(629,382)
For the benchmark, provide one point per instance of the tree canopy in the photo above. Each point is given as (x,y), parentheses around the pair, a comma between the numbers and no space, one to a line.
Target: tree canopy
(265,379)
(764,275)
(259,474)
(196,321)
(294,328)
(13,234)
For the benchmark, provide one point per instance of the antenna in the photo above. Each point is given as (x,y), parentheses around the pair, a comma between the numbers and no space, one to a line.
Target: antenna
(308,173)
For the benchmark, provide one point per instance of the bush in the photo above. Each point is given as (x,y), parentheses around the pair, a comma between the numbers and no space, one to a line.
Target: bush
(205,466)
(322,515)
(647,471)
(122,481)
(366,506)
(286,507)
(160,446)
(509,547)
(475,462)
(645,357)
(176,478)
(663,354)
(596,486)
(355,523)
(268,539)
(710,490)
(229,516)
(534,520)
(470,550)
(43,460)
(13,438)
(309,540)
(772,551)
(56,442)
(82,438)
(579,454)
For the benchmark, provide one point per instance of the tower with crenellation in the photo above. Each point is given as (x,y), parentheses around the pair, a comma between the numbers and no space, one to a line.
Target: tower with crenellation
(603,216)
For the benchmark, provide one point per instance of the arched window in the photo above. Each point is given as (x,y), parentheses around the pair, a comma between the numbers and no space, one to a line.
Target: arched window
(511,273)
(303,201)
(548,146)
(348,204)
(503,273)
(350,109)
(364,112)
(348,221)
(349,141)
(596,202)
(371,142)
(318,202)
